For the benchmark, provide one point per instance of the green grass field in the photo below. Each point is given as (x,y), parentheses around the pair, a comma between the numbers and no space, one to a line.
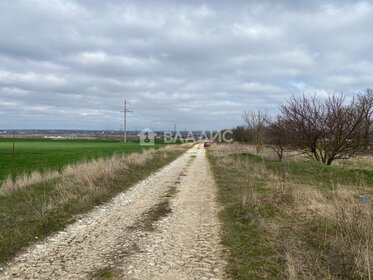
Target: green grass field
(39,209)
(47,154)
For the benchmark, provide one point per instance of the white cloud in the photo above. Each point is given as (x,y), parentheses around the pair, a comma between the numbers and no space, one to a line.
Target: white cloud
(255,31)
(199,65)
(258,87)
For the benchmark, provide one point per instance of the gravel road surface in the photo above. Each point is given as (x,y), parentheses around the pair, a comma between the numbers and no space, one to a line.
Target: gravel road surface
(164,227)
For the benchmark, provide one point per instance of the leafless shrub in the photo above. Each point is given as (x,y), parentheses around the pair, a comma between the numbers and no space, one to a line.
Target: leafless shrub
(329,130)
(255,123)
(242,134)
(277,137)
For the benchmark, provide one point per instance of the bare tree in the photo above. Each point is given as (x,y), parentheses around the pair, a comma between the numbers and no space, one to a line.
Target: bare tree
(276,136)
(327,130)
(255,123)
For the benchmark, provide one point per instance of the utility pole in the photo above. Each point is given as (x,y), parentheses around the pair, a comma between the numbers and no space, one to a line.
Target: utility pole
(125,121)
(125,110)
(13,158)
(175,129)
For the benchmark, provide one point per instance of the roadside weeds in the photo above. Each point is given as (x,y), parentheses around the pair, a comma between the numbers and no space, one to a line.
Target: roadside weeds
(277,224)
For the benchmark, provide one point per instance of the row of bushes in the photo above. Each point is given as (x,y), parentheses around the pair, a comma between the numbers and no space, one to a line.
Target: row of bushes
(323,129)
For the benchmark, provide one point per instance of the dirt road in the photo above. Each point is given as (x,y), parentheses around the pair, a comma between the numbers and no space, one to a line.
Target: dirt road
(165,227)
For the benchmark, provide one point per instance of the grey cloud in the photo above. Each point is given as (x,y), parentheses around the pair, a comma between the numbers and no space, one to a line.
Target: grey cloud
(199,64)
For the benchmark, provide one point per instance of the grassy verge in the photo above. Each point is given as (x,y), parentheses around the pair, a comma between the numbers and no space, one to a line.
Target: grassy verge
(34,211)
(46,154)
(293,220)
(312,173)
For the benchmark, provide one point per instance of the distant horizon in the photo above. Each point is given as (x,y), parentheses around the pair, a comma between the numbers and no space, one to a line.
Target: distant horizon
(36,129)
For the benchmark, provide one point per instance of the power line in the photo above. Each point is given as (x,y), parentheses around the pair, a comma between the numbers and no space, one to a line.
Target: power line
(125,110)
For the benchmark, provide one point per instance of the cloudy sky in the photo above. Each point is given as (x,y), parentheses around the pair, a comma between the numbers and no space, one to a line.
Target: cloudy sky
(199,64)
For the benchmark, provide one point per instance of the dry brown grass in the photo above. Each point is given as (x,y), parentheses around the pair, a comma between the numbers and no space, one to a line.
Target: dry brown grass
(357,162)
(266,152)
(362,162)
(84,173)
(315,232)
(44,203)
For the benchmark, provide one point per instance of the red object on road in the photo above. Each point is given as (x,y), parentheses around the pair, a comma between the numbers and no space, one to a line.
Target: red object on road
(207,144)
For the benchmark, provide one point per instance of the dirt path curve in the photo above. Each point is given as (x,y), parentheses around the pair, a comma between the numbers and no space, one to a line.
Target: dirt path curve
(165,227)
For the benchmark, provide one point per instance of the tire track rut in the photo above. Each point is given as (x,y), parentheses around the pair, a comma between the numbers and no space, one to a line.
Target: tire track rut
(183,243)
